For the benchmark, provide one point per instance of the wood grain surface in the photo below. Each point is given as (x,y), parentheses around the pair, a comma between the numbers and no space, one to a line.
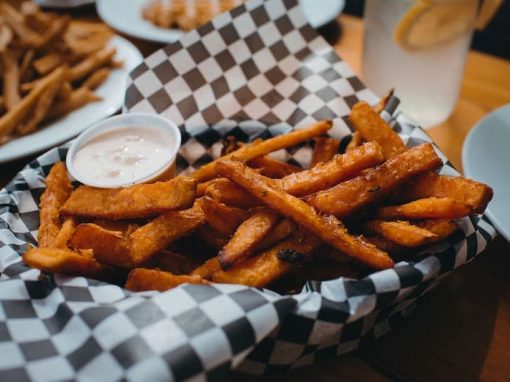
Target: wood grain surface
(460,331)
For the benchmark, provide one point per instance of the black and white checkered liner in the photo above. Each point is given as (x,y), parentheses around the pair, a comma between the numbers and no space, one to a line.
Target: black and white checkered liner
(257,71)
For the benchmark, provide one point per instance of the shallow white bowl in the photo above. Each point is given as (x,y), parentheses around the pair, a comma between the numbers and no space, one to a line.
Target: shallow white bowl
(142,120)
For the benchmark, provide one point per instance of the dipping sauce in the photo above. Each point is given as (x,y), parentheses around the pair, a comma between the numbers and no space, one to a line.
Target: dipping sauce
(122,156)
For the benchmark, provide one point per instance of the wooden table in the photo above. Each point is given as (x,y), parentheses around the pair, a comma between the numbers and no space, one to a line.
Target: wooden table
(461,330)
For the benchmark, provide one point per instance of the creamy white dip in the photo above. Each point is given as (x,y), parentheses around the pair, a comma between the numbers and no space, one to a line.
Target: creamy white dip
(122,156)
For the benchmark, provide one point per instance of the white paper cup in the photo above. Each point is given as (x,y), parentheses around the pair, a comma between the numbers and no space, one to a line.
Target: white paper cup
(165,127)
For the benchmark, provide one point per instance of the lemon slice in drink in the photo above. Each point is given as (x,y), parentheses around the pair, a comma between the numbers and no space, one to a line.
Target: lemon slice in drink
(429,23)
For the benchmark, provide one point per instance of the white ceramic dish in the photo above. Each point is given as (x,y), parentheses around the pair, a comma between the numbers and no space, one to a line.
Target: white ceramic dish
(486,158)
(64,4)
(112,91)
(126,17)
(165,128)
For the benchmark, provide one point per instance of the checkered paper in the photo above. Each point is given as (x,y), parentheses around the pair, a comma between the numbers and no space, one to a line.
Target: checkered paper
(257,71)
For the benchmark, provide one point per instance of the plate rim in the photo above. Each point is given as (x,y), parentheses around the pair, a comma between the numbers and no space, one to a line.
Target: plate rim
(468,142)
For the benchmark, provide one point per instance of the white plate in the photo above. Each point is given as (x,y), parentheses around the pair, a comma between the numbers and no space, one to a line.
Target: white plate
(64,3)
(486,158)
(126,17)
(112,91)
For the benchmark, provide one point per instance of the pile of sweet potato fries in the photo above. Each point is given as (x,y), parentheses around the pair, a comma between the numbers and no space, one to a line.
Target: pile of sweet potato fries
(50,66)
(250,219)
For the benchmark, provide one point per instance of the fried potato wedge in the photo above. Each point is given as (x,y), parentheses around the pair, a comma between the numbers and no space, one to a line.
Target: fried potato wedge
(467,191)
(268,266)
(328,228)
(374,184)
(247,236)
(137,201)
(58,190)
(428,208)
(222,218)
(141,279)
(109,247)
(401,232)
(251,151)
(63,260)
(324,150)
(156,235)
(373,128)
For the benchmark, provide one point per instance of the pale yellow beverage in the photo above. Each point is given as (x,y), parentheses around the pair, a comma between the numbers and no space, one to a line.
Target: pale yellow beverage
(418,47)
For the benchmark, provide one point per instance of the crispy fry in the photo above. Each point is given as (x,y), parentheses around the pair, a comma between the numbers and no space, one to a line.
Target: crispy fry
(401,232)
(12,119)
(132,202)
(96,79)
(247,236)
(10,79)
(374,184)
(428,208)
(62,260)
(273,168)
(461,189)
(156,235)
(77,99)
(266,267)
(326,175)
(356,140)
(387,245)
(91,63)
(48,62)
(207,269)
(251,151)
(379,107)
(65,233)
(373,128)
(173,262)
(58,189)
(141,279)
(325,149)
(328,228)
(441,227)
(222,218)
(43,105)
(109,247)
(320,177)
(283,229)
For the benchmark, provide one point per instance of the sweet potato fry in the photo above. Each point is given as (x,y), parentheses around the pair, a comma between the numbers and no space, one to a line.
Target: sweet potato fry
(273,168)
(356,140)
(137,201)
(10,120)
(77,99)
(222,218)
(10,79)
(109,247)
(266,267)
(461,189)
(401,232)
(373,128)
(328,228)
(330,253)
(374,184)
(379,107)
(282,229)
(326,175)
(201,187)
(324,150)
(141,279)
(428,208)
(251,151)
(58,189)
(247,236)
(91,63)
(65,233)
(173,262)
(441,227)
(61,260)
(126,227)
(96,79)
(208,269)
(387,245)
(156,235)
(320,177)
(211,237)
(324,269)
